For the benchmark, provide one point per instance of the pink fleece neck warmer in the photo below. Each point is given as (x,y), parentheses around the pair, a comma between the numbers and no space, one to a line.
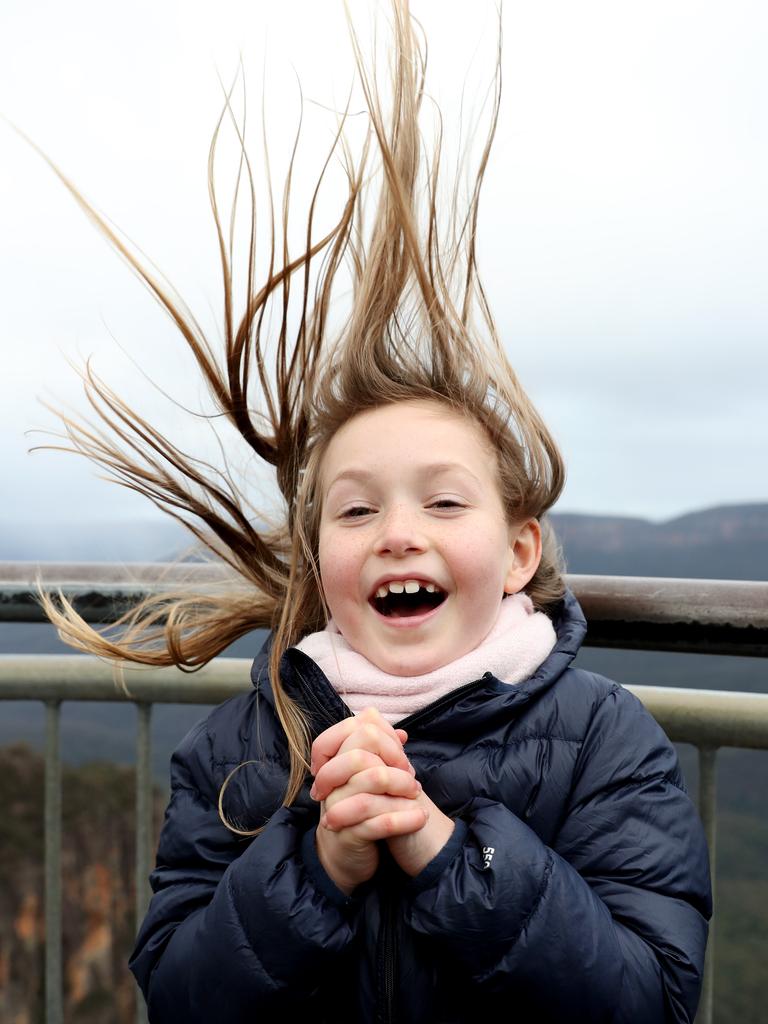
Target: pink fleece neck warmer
(517,644)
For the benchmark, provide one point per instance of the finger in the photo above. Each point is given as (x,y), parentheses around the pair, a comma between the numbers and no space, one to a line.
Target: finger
(368,736)
(362,807)
(327,744)
(340,769)
(378,778)
(391,823)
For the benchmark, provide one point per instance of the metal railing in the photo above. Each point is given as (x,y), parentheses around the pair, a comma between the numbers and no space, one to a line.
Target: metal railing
(704,616)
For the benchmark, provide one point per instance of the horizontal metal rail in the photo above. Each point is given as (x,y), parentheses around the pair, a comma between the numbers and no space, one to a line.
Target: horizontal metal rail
(633,612)
(666,614)
(101,591)
(712,718)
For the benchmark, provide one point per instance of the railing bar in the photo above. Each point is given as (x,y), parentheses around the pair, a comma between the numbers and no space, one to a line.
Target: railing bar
(54,1010)
(642,613)
(709,718)
(144,836)
(708,812)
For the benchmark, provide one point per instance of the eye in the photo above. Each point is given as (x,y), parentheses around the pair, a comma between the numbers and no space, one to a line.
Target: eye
(356,512)
(446,503)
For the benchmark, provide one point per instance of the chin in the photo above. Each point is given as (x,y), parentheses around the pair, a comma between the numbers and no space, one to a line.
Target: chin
(412,664)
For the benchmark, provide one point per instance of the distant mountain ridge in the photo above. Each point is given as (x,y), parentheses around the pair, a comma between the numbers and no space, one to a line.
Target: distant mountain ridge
(610,533)
(727,542)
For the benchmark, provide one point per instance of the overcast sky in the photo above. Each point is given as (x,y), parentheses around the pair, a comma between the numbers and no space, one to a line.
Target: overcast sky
(624,225)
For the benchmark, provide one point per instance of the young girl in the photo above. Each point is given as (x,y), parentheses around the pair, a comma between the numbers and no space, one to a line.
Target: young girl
(419,812)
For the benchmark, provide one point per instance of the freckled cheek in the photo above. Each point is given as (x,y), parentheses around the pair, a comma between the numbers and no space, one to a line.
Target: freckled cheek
(340,568)
(476,564)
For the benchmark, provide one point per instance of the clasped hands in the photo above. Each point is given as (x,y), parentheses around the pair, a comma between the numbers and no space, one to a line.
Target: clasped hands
(368,792)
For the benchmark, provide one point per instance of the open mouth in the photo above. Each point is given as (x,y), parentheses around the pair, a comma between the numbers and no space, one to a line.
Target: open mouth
(400,599)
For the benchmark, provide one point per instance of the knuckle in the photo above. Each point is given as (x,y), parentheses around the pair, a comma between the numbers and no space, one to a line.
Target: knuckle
(366,803)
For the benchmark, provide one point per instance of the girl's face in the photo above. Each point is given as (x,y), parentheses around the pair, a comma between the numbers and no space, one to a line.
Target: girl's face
(415,550)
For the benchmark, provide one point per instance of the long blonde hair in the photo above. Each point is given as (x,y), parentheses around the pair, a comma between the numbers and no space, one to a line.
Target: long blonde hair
(418,326)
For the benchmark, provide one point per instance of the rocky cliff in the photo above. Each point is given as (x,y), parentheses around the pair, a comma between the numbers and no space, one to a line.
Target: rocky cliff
(97,890)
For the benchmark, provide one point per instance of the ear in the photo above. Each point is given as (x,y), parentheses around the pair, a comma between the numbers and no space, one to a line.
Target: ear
(524,555)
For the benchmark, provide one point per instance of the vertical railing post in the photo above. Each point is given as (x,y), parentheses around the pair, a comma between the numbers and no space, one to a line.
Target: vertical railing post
(708,812)
(144,836)
(54,1009)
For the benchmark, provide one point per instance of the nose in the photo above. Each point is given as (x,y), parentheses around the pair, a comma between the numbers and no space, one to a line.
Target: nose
(399,533)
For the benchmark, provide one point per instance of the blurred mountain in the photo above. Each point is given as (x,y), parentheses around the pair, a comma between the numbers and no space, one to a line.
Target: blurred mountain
(728,542)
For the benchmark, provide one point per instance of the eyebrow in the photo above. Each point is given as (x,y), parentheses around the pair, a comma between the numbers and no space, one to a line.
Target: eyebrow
(362,475)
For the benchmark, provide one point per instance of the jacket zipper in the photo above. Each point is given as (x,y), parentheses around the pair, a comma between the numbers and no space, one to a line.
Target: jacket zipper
(449,698)
(387,960)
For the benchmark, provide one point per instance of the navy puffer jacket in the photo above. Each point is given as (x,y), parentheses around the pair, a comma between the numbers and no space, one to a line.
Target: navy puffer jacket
(575,887)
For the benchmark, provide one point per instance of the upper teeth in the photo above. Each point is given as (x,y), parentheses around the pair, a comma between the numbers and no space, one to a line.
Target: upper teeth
(409,586)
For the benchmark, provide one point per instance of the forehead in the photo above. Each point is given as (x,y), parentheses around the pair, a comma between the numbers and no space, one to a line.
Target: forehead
(408,435)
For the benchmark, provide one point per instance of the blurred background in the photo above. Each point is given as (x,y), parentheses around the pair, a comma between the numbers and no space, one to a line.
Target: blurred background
(622,242)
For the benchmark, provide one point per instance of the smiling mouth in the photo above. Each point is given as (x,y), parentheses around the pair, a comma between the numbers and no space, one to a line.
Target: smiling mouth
(401,599)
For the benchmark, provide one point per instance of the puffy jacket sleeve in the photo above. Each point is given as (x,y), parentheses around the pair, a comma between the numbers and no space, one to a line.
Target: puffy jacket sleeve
(606,924)
(236,930)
